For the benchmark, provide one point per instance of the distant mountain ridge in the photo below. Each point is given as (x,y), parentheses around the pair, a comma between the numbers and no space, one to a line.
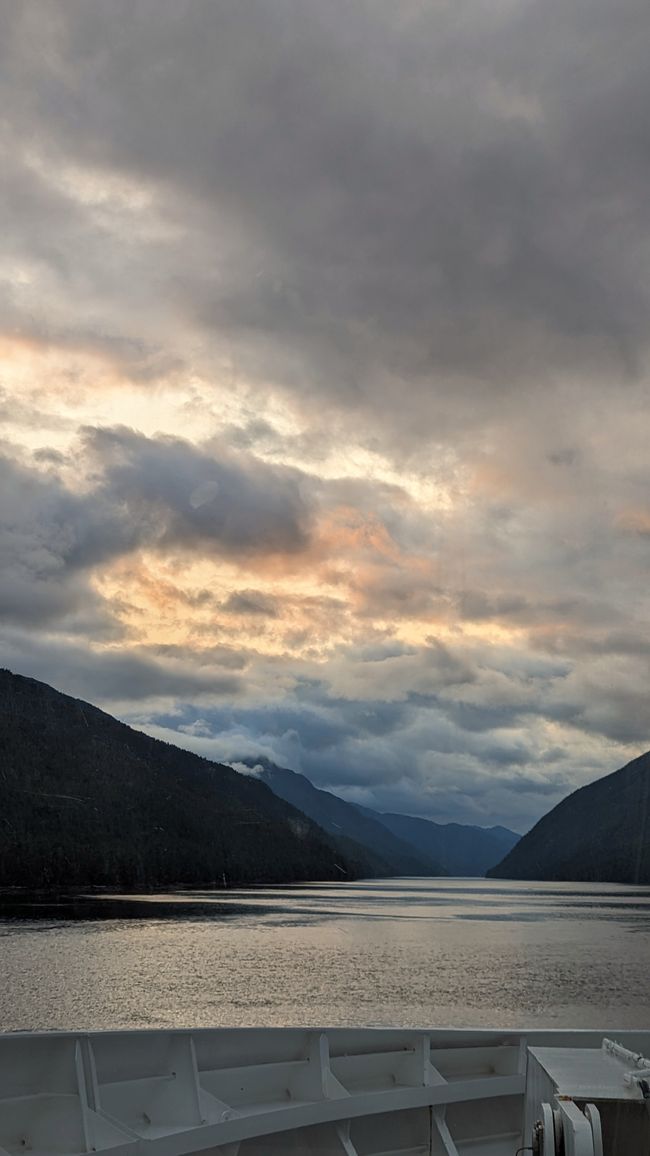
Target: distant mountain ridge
(460,848)
(409,845)
(390,854)
(87,801)
(599,833)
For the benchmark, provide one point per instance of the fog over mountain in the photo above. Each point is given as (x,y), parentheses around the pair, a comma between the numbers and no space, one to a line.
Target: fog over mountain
(324,404)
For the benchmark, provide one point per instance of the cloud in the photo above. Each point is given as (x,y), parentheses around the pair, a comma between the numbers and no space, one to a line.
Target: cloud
(244,769)
(466,724)
(453,204)
(463,750)
(325,383)
(251,602)
(117,678)
(140,492)
(245,506)
(49,536)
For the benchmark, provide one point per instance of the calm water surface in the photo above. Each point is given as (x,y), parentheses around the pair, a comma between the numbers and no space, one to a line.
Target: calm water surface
(426,952)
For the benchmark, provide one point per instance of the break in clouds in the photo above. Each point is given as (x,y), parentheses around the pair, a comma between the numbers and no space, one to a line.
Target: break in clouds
(324,393)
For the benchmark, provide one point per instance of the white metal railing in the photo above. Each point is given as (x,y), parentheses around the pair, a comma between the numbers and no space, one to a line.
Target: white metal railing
(172,1093)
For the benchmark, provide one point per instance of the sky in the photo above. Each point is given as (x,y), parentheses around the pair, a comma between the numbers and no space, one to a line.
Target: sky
(324,384)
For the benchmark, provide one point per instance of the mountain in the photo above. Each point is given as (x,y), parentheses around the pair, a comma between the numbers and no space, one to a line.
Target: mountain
(391,855)
(406,845)
(459,848)
(599,833)
(503,835)
(86,801)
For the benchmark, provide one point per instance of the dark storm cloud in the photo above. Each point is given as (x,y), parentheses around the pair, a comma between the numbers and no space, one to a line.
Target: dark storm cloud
(177,494)
(452,196)
(159,493)
(49,537)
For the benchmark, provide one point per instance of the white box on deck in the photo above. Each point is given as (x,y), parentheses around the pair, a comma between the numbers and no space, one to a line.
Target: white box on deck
(589,1076)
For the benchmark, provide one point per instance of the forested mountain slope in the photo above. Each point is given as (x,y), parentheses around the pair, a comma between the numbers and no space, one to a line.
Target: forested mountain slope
(600,832)
(390,854)
(86,800)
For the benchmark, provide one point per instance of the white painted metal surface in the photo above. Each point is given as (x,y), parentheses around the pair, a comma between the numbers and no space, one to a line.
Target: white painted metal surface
(595,1097)
(246,1092)
(582,1074)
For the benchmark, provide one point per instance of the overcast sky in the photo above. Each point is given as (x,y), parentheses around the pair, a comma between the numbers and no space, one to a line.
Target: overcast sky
(324,389)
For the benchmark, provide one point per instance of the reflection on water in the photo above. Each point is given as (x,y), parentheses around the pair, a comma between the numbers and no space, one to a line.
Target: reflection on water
(425,952)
